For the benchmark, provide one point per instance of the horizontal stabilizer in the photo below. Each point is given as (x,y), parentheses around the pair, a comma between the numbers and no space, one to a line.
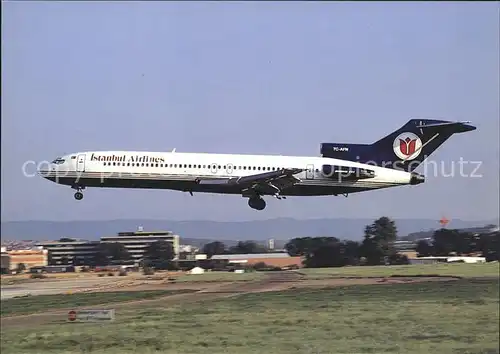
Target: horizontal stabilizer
(456,127)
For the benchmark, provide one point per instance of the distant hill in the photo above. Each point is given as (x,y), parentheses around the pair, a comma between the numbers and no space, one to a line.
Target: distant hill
(258,230)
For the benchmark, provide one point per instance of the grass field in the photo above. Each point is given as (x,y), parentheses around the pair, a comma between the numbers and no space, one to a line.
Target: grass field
(434,317)
(42,303)
(443,269)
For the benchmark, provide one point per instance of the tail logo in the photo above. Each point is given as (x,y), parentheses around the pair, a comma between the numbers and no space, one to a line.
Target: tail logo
(407,146)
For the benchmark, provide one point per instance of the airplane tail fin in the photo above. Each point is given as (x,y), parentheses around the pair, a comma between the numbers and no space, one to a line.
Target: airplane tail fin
(404,149)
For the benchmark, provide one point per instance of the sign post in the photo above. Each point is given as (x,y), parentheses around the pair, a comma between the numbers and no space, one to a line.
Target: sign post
(91,315)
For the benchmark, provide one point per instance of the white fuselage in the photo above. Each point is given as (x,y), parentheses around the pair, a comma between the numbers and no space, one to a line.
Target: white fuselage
(181,171)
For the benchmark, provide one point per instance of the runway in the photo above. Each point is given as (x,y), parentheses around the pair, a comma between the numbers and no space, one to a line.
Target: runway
(50,287)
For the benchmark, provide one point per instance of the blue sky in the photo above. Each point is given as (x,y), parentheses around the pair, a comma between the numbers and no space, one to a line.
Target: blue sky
(265,78)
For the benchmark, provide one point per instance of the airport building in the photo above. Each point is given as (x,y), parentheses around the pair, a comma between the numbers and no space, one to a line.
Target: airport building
(29,258)
(79,252)
(447,259)
(70,252)
(137,242)
(5,258)
(281,260)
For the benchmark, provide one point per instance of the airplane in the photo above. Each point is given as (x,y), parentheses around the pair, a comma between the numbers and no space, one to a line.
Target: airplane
(341,169)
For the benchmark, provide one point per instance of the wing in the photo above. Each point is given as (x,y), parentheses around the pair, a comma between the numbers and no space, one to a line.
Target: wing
(265,183)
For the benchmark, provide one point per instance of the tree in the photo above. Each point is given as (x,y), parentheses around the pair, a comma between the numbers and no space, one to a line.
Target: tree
(424,249)
(352,252)
(373,252)
(444,242)
(160,249)
(328,255)
(300,246)
(447,241)
(378,243)
(398,259)
(330,252)
(213,248)
(304,246)
(64,260)
(21,267)
(489,246)
(247,247)
(159,254)
(100,258)
(111,252)
(50,258)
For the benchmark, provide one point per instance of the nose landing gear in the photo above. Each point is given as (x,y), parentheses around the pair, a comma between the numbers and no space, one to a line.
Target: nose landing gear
(78,194)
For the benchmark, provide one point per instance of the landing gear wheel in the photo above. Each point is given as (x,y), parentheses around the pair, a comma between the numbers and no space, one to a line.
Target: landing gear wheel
(78,195)
(257,203)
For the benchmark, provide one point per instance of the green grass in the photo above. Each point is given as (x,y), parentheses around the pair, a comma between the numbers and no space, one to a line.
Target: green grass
(43,303)
(219,277)
(442,269)
(449,317)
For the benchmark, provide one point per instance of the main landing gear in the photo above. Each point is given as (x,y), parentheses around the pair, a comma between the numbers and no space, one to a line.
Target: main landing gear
(257,203)
(78,194)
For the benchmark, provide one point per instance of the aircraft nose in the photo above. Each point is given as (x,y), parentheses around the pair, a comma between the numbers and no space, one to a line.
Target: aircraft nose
(44,169)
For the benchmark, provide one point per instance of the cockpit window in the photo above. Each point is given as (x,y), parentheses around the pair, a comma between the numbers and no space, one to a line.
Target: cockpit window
(58,161)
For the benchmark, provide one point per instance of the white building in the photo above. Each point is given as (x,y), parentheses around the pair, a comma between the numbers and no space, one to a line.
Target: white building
(137,242)
(197,270)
